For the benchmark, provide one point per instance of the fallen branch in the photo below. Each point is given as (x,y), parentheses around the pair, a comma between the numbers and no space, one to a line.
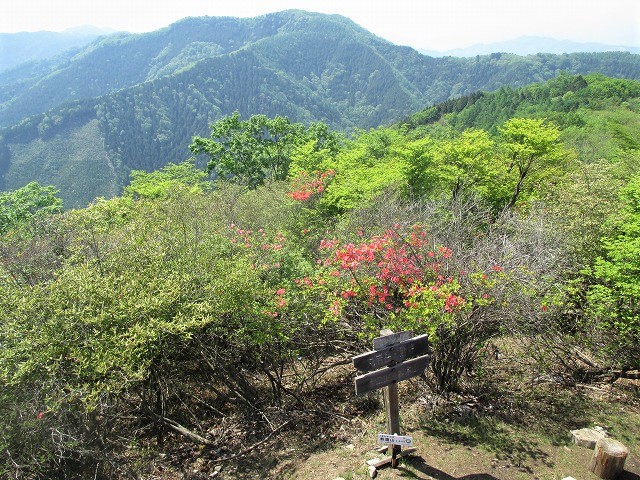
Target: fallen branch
(591,387)
(176,427)
(254,446)
(607,375)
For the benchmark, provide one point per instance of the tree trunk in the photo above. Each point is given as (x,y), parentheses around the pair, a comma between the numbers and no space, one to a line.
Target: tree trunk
(608,458)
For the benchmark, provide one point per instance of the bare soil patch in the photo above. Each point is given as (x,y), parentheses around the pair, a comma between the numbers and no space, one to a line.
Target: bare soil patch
(503,425)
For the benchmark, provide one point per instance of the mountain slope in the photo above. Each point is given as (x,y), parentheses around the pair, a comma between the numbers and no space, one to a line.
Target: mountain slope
(599,116)
(303,45)
(23,47)
(116,62)
(150,94)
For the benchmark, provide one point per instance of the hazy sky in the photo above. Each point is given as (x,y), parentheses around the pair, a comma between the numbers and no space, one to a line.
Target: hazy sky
(426,24)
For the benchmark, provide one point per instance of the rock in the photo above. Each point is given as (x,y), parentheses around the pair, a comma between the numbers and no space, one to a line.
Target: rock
(373,471)
(568,478)
(601,430)
(587,437)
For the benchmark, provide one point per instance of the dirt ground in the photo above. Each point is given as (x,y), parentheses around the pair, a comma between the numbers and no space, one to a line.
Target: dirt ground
(440,460)
(508,428)
(484,444)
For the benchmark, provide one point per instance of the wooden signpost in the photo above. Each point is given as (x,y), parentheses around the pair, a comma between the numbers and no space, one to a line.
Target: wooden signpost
(395,357)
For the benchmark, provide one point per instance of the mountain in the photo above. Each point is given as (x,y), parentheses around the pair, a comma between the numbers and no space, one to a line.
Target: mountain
(24,47)
(570,101)
(83,120)
(530,45)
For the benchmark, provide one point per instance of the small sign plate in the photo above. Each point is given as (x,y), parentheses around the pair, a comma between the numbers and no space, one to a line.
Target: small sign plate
(387,439)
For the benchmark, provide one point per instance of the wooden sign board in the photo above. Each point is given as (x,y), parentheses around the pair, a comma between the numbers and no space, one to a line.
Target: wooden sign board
(387,376)
(387,439)
(391,355)
(386,340)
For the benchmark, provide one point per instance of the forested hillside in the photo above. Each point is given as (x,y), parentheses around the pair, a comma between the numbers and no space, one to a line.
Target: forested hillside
(139,331)
(33,47)
(149,94)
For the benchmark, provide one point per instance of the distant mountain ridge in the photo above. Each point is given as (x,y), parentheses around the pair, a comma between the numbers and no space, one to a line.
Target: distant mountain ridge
(82,120)
(24,47)
(530,45)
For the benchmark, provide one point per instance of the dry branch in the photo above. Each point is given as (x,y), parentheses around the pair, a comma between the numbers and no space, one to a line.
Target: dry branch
(176,427)
(254,446)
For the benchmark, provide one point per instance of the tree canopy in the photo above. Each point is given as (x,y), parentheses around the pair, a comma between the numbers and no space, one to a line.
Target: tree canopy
(20,205)
(250,151)
(530,145)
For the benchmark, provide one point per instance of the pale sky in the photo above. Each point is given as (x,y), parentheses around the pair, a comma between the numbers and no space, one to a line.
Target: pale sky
(423,24)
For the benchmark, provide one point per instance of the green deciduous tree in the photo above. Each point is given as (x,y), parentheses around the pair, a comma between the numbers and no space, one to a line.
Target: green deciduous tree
(455,166)
(372,162)
(250,151)
(162,182)
(614,299)
(20,205)
(530,145)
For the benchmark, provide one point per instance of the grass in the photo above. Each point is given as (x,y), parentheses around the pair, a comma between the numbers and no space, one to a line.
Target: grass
(512,429)
(484,447)
(516,429)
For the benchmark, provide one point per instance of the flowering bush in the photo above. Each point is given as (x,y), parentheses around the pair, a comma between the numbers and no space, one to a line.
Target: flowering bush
(306,185)
(401,279)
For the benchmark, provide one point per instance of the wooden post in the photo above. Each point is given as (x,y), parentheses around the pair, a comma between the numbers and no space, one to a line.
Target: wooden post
(392,408)
(393,359)
(608,458)
(391,405)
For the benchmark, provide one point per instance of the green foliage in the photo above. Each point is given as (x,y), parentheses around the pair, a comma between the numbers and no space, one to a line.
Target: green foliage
(251,151)
(530,146)
(579,205)
(21,205)
(615,297)
(525,159)
(454,166)
(162,182)
(373,162)
(569,97)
